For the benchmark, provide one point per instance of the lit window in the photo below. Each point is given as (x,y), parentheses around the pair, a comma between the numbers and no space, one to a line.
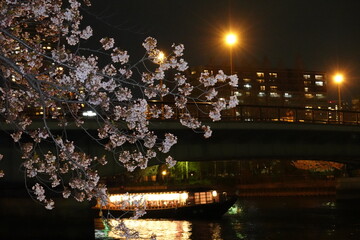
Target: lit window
(307,83)
(306,76)
(193,72)
(306,89)
(247,79)
(274,75)
(237,93)
(320,95)
(274,94)
(319,77)
(261,80)
(273,87)
(261,94)
(319,83)
(260,74)
(247,86)
(262,88)
(309,95)
(287,95)
(247,93)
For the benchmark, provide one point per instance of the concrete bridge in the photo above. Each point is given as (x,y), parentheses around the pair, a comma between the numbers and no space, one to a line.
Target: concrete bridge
(252,132)
(269,140)
(231,140)
(270,132)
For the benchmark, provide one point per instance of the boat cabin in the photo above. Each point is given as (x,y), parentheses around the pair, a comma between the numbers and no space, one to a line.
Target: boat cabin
(159,200)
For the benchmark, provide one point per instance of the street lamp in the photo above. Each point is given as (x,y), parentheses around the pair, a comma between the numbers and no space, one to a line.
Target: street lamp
(338,79)
(160,58)
(231,40)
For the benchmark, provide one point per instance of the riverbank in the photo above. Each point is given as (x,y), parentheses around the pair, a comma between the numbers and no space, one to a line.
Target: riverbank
(341,188)
(287,189)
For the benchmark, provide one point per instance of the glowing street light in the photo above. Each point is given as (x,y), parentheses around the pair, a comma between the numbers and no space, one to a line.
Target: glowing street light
(161,57)
(231,40)
(338,79)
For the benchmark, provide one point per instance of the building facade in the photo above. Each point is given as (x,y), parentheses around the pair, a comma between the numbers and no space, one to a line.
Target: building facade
(276,87)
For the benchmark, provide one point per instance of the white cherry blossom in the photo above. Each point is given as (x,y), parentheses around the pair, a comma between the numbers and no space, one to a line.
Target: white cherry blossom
(233,80)
(107,43)
(170,161)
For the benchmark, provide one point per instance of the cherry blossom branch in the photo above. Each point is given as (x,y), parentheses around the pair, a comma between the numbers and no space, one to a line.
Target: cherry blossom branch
(60,83)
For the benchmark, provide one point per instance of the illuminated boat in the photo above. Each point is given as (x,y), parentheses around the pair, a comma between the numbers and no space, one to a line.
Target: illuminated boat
(169,204)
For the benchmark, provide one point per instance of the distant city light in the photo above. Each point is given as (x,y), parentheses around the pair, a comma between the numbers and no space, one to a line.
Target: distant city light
(247,86)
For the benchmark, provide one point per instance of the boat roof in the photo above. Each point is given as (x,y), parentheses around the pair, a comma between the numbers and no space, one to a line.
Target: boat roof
(147,189)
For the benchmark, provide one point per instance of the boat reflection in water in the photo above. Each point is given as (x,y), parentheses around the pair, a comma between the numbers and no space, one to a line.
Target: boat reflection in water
(171,204)
(163,229)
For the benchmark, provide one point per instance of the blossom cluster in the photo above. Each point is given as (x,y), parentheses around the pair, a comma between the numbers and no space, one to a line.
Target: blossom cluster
(46,70)
(40,195)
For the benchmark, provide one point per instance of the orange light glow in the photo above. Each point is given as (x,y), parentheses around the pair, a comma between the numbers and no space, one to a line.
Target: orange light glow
(338,78)
(231,39)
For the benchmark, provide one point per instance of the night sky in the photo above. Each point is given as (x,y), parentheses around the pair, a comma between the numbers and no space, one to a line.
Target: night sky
(321,35)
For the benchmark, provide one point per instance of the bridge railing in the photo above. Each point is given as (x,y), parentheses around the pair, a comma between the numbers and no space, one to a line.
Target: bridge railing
(254,113)
(304,115)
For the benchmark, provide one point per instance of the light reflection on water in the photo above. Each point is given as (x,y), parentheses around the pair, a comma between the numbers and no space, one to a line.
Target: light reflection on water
(264,218)
(164,229)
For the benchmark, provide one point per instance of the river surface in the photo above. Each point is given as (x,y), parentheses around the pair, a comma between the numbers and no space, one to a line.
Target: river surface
(260,219)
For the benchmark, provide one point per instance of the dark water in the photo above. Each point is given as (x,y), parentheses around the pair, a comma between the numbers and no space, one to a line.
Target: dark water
(264,218)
